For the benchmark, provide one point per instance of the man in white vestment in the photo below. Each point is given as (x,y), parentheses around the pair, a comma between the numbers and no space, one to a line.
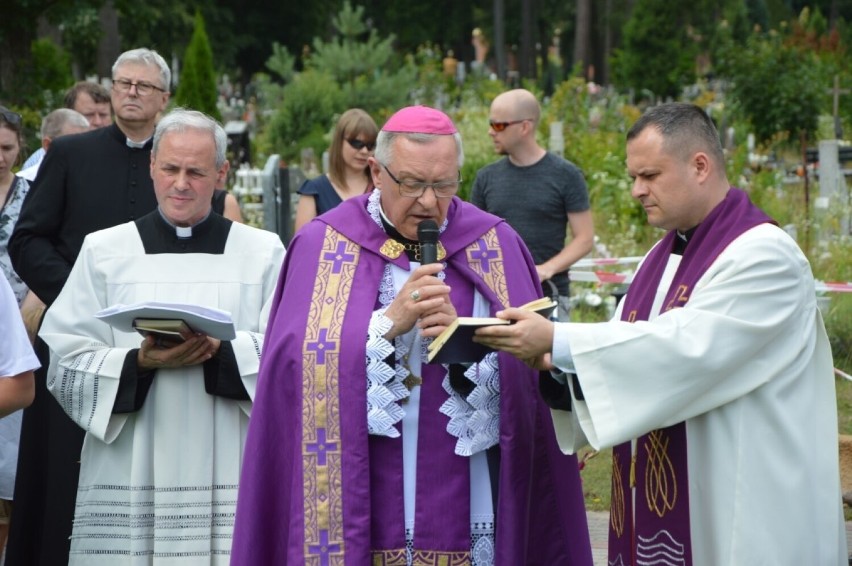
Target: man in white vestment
(165,422)
(713,383)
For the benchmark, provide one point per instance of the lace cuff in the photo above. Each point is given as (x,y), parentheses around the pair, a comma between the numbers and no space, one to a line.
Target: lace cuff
(475,420)
(384,386)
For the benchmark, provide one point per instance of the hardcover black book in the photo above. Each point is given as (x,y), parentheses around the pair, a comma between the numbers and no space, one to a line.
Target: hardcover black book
(455,344)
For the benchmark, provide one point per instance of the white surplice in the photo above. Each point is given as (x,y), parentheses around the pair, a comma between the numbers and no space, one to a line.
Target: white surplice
(157,486)
(747,365)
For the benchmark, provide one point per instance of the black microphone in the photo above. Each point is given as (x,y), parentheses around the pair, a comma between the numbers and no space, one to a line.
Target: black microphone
(427,233)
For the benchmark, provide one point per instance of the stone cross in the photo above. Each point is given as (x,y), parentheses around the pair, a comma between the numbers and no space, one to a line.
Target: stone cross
(836,91)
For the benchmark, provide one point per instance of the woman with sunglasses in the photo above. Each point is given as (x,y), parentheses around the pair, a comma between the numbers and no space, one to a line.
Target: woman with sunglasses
(352,143)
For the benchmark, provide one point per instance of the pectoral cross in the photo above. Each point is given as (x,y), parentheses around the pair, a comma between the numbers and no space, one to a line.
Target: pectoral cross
(410,382)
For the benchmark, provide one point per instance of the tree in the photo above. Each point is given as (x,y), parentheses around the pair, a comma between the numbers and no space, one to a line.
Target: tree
(583,35)
(197,87)
(365,65)
(19,79)
(356,68)
(658,54)
(776,84)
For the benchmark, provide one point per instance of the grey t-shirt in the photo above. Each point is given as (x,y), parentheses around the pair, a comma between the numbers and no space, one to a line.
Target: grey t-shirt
(535,201)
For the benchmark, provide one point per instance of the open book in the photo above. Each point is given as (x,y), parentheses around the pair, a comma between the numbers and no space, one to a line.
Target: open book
(455,344)
(169,317)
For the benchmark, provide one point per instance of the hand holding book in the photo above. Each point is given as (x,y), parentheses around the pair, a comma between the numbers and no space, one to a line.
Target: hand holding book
(527,336)
(166,332)
(456,345)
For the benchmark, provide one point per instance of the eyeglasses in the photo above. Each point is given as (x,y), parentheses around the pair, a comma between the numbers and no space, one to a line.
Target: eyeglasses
(142,89)
(415,189)
(11,118)
(358,145)
(500,126)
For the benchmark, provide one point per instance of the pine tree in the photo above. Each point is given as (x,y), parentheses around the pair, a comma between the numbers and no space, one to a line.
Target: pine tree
(197,87)
(362,63)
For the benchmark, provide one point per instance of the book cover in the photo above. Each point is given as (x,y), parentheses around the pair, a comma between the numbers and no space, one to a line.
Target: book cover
(455,344)
(172,330)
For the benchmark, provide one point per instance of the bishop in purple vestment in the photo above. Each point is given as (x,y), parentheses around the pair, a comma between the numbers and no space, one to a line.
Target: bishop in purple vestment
(358,452)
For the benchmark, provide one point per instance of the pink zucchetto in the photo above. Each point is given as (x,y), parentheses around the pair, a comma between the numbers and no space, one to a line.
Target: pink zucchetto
(420,120)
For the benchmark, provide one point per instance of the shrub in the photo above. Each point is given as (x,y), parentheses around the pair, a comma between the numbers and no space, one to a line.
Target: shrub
(197,87)
(307,109)
(50,72)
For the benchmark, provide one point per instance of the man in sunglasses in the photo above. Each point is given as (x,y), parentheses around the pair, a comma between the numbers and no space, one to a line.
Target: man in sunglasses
(539,194)
(358,451)
(86,183)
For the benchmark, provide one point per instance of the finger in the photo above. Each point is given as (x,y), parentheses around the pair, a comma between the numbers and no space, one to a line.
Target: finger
(426,270)
(426,307)
(422,292)
(434,319)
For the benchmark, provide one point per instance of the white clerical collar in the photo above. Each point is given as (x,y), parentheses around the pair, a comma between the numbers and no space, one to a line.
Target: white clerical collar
(136,145)
(385,217)
(182,231)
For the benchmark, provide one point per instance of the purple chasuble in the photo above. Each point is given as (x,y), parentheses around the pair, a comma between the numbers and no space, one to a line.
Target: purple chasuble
(660,532)
(317,489)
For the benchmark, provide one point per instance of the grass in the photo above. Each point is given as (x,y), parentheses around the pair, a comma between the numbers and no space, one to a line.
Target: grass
(596,474)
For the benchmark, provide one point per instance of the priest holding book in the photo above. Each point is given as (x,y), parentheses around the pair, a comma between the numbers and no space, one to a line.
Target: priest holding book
(713,382)
(358,451)
(165,422)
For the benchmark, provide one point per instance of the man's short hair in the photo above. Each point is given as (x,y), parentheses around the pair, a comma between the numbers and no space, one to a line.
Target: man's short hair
(53,124)
(182,120)
(145,56)
(96,92)
(685,128)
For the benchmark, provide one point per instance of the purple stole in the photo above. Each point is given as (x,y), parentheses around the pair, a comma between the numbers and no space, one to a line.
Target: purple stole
(660,472)
(317,489)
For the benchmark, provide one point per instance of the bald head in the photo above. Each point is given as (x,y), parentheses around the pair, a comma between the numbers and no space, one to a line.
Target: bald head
(512,124)
(520,103)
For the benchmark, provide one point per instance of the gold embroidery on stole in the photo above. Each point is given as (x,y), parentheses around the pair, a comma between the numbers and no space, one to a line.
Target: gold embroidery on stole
(495,276)
(660,477)
(321,443)
(680,297)
(617,503)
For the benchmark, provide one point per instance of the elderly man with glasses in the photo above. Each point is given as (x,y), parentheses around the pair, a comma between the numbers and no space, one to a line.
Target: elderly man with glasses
(86,183)
(358,451)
